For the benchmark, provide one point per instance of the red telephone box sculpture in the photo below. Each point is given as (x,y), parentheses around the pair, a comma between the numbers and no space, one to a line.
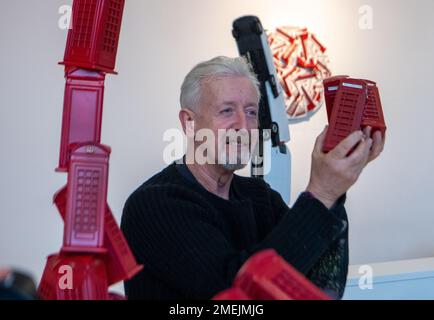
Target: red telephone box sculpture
(94,247)
(352,104)
(82,111)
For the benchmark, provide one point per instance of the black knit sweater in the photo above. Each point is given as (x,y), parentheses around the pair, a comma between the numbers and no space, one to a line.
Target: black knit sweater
(192,242)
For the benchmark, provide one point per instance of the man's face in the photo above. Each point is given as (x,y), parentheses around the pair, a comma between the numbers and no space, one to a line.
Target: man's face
(229,105)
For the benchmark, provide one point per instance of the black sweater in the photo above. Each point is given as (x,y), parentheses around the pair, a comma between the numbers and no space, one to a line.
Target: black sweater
(192,242)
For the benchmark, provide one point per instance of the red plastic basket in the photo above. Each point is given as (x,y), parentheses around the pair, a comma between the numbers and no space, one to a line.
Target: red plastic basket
(82,111)
(120,261)
(89,278)
(93,40)
(86,199)
(267,276)
(348,108)
(373,113)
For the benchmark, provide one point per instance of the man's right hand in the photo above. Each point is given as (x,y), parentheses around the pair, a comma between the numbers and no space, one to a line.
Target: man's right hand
(333,173)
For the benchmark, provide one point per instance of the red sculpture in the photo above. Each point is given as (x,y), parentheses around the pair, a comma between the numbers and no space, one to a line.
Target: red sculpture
(352,104)
(94,248)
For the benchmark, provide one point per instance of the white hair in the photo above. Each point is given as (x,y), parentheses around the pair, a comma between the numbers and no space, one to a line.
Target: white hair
(217,67)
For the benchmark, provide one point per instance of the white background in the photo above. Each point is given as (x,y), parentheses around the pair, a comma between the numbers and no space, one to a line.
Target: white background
(391,210)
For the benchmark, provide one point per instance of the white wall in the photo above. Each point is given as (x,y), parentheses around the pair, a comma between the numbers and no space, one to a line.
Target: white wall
(390,209)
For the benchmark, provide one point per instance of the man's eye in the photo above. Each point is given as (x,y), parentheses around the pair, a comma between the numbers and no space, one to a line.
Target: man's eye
(226,111)
(252,113)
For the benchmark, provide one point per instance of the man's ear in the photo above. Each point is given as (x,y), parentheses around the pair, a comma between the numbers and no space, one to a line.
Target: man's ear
(185,115)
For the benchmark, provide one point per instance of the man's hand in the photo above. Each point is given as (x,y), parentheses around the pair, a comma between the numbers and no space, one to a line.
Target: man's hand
(378,143)
(333,173)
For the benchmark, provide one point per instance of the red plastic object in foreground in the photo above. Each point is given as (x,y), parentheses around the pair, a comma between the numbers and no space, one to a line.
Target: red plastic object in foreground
(82,111)
(232,294)
(267,276)
(347,112)
(120,261)
(87,275)
(86,199)
(93,39)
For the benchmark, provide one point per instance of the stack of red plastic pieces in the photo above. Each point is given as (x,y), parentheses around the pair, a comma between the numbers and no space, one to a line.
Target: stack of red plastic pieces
(352,104)
(94,248)
(267,276)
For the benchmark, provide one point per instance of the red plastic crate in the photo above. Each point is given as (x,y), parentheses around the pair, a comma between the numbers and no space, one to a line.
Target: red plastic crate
(120,261)
(232,294)
(331,86)
(82,111)
(348,108)
(89,278)
(86,199)
(373,113)
(93,40)
(267,276)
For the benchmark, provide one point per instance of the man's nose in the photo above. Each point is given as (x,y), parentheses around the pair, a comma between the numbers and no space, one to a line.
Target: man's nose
(241,120)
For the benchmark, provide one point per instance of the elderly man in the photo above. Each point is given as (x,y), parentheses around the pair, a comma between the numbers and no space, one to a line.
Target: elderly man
(193,225)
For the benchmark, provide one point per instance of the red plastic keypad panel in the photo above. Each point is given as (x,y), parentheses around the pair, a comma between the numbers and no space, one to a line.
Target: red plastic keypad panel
(86,199)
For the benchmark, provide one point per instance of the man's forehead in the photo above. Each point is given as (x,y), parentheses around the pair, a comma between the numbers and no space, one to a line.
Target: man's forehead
(229,79)
(231,88)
